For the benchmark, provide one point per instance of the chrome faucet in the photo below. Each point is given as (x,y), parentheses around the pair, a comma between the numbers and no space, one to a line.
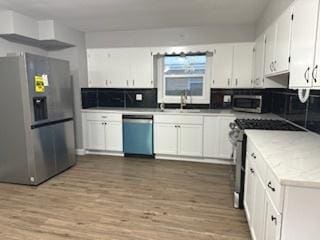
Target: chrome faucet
(183,98)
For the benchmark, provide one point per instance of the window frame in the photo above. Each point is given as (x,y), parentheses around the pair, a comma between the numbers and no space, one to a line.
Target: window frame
(161,76)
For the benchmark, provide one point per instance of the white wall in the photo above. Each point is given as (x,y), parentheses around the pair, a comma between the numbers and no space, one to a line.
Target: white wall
(78,66)
(172,36)
(271,13)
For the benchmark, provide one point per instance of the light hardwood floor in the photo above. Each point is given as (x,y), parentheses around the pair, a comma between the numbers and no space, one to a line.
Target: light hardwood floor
(125,199)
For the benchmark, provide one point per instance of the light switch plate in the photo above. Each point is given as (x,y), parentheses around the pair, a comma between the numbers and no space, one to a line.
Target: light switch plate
(138,97)
(227,99)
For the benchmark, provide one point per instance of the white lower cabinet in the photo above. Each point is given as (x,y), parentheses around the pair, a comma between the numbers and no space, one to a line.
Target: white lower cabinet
(272,222)
(216,142)
(190,140)
(102,132)
(178,139)
(278,211)
(95,135)
(165,139)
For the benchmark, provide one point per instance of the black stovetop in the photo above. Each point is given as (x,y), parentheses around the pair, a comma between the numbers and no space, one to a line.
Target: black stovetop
(266,125)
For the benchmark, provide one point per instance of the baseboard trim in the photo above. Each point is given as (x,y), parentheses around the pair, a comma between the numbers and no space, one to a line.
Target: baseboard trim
(80,152)
(195,159)
(103,153)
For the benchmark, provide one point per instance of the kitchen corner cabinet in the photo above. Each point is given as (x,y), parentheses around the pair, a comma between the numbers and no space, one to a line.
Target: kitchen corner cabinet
(120,68)
(278,38)
(102,132)
(216,143)
(232,65)
(303,69)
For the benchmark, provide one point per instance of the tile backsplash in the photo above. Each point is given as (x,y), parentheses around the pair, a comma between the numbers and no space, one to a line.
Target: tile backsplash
(102,97)
(283,102)
(286,104)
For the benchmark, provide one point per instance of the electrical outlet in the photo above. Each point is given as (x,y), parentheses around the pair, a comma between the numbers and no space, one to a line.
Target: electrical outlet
(138,97)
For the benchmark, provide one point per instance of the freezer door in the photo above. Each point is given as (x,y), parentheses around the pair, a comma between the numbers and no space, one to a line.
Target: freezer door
(44,155)
(64,145)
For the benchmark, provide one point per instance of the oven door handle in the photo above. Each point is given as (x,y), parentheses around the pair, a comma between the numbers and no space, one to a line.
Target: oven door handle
(231,138)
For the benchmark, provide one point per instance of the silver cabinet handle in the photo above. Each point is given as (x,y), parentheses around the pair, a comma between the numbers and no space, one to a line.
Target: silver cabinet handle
(228,81)
(106,82)
(133,82)
(274,66)
(251,170)
(315,73)
(271,66)
(236,81)
(307,73)
(127,82)
(212,82)
(253,155)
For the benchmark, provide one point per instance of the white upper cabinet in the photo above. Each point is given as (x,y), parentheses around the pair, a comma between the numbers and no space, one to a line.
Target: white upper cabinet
(283,40)
(259,58)
(120,68)
(270,45)
(277,45)
(304,32)
(222,66)
(243,65)
(232,66)
(97,59)
(141,63)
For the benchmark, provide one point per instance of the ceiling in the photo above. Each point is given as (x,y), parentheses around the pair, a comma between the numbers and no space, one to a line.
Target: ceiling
(110,15)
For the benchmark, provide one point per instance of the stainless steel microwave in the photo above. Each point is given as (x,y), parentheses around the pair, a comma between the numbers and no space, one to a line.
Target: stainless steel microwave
(248,103)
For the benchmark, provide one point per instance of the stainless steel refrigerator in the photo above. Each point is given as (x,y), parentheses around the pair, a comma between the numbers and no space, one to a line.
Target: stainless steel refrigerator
(36,123)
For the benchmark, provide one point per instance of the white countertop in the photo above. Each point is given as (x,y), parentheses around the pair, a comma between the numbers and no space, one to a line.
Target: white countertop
(202,112)
(294,157)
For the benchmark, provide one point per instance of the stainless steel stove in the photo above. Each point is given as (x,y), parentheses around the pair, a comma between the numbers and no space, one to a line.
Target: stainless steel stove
(239,140)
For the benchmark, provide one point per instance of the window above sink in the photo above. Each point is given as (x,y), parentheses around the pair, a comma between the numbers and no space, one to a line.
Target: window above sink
(183,75)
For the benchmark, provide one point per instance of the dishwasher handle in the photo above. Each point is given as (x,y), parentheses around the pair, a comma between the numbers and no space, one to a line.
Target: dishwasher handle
(142,121)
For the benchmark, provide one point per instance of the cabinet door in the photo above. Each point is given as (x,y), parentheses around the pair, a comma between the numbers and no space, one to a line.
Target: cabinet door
(259,62)
(315,71)
(272,222)
(222,66)
(95,135)
(211,141)
(97,59)
(249,190)
(165,139)
(270,45)
(258,214)
(190,140)
(304,29)
(117,68)
(141,63)
(242,65)
(113,136)
(282,50)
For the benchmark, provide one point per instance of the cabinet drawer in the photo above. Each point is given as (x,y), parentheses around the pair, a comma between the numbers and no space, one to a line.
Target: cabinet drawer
(183,119)
(274,190)
(113,117)
(254,155)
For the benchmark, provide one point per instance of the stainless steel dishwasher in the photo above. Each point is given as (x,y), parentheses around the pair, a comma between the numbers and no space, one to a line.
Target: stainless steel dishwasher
(138,135)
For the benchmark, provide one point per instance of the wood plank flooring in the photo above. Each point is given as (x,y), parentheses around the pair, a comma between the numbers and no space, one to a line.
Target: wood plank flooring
(125,199)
